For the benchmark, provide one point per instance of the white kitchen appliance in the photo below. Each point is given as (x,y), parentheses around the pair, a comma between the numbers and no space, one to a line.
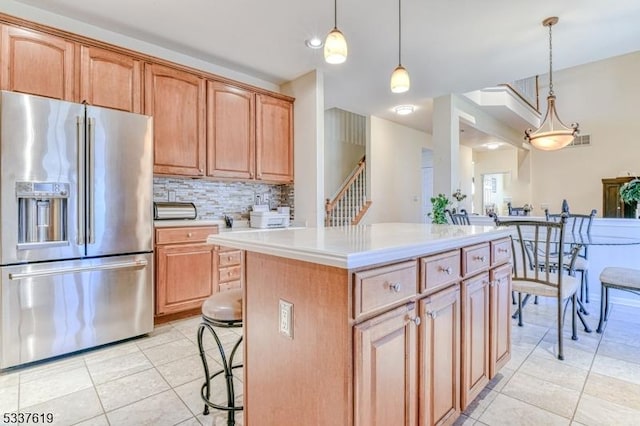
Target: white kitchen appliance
(262,217)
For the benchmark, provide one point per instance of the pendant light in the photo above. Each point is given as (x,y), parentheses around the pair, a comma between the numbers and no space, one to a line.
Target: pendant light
(553,133)
(335,46)
(400,77)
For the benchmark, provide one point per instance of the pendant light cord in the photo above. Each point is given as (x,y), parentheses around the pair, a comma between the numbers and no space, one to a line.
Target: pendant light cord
(335,13)
(550,63)
(399,32)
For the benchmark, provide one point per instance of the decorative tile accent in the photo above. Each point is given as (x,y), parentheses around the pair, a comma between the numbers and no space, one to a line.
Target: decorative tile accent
(215,199)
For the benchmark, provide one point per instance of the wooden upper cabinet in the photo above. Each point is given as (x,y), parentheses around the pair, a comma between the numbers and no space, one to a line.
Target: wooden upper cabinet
(37,63)
(230,131)
(176,100)
(274,139)
(110,79)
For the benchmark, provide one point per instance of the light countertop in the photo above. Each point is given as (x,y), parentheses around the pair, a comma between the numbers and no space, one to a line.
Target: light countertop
(360,245)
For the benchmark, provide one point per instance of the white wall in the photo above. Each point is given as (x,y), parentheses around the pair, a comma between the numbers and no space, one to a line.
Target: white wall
(394,160)
(604,97)
(516,185)
(343,147)
(465,170)
(308,151)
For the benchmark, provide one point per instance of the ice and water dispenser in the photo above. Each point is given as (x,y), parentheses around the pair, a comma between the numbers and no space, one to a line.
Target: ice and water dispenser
(42,213)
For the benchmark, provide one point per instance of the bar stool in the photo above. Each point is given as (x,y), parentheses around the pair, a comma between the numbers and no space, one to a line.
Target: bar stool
(621,279)
(222,310)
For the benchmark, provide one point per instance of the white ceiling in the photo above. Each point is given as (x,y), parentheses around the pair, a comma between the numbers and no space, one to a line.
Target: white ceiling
(449,46)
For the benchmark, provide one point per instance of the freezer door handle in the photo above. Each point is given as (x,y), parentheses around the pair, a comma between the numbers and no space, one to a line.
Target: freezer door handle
(74,270)
(90,176)
(81,186)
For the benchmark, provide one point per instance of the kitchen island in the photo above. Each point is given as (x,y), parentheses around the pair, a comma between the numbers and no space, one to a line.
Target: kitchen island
(388,324)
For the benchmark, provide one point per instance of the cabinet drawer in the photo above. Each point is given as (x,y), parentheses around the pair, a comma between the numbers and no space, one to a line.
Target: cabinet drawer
(383,287)
(230,273)
(229,258)
(439,271)
(500,251)
(230,285)
(185,234)
(475,258)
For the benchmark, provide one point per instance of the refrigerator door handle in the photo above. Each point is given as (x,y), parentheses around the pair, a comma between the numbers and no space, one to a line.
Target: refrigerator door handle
(74,270)
(90,184)
(81,183)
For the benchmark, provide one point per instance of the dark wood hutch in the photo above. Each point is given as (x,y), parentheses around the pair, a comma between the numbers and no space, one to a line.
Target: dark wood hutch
(612,206)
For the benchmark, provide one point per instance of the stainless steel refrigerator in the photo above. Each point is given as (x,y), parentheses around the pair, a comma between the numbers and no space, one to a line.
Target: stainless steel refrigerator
(76,211)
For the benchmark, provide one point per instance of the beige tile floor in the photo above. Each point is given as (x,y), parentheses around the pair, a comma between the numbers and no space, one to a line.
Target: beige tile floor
(155,380)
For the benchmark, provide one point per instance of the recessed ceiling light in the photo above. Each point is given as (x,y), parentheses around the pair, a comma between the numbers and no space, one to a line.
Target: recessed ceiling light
(314,43)
(404,109)
(493,145)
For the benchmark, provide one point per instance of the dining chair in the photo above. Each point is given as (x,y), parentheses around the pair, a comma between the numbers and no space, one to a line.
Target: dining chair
(533,245)
(461,218)
(578,224)
(517,211)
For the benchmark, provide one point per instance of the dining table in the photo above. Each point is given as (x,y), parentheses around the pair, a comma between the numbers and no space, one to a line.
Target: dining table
(579,240)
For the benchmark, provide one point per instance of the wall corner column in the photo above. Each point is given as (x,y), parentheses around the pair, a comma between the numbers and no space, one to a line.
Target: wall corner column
(446,145)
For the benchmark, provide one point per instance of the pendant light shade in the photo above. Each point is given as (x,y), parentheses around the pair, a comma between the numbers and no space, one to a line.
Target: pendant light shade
(335,46)
(553,133)
(400,81)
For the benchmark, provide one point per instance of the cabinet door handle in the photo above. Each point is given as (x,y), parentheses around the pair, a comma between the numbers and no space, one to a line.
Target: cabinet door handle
(502,250)
(480,258)
(416,320)
(432,314)
(189,234)
(395,287)
(447,270)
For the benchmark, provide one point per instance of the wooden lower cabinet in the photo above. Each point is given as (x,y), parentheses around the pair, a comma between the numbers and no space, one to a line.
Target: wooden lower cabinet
(407,343)
(386,369)
(185,269)
(439,357)
(499,318)
(230,271)
(475,337)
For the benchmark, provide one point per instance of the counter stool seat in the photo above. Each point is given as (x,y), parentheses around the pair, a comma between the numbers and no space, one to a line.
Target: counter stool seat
(626,279)
(221,310)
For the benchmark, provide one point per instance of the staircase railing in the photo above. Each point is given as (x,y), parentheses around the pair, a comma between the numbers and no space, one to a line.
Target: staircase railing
(350,204)
(526,89)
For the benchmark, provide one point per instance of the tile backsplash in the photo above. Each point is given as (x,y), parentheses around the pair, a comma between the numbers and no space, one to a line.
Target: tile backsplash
(215,199)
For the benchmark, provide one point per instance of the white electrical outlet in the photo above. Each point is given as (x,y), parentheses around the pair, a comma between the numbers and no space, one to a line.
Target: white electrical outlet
(286,318)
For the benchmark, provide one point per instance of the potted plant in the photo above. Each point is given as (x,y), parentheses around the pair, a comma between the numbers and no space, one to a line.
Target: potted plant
(439,205)
(630,193)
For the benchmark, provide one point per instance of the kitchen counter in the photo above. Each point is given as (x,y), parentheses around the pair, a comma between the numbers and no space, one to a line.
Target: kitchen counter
(327,309)
(358,246)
